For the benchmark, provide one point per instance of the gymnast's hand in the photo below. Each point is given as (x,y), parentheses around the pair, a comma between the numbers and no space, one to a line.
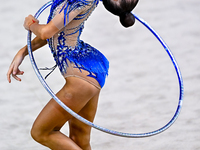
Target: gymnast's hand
(29,21)
(14,67)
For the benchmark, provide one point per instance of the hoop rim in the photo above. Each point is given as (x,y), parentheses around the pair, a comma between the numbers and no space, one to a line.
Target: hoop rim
(117,133)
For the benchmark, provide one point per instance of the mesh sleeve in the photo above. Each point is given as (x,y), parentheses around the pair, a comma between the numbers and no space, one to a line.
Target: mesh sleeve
(58,20)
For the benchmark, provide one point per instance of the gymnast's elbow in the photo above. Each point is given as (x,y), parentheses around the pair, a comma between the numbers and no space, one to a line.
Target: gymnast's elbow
(48,30)
(45,34)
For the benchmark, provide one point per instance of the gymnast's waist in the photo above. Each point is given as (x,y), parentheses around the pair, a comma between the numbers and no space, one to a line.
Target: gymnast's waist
(79,47)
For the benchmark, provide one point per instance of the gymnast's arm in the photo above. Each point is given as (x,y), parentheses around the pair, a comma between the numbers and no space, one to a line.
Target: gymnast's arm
(14,70)
(46,31)
(42,33)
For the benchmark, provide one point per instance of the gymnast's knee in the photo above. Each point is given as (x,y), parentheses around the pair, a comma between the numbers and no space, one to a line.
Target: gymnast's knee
(81,137)
(38,135)
(82,141)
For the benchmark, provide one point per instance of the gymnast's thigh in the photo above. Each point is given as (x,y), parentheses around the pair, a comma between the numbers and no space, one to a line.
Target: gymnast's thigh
(76,93)
(79,131)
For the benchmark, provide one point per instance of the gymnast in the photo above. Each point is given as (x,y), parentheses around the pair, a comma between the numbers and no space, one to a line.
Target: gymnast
(83,67)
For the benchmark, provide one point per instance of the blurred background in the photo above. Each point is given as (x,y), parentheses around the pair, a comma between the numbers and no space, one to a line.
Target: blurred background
(141,93)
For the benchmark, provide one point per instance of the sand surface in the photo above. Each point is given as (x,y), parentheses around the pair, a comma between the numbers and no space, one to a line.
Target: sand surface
(141,92)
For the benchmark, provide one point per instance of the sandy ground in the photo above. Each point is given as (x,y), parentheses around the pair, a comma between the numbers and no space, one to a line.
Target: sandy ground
(141,93)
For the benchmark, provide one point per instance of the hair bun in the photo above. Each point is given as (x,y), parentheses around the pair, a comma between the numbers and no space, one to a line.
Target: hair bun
(127,19)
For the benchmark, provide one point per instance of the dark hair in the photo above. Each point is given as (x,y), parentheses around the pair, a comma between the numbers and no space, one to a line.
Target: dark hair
(122,9)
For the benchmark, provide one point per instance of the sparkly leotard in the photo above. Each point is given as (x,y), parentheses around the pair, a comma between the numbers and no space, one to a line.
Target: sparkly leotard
(72,55)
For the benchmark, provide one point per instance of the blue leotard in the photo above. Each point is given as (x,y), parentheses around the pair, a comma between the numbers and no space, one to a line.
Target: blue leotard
(73,56)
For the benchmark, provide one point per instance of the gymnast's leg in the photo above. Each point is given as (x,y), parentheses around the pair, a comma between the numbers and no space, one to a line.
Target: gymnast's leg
(80,132)
(77,94)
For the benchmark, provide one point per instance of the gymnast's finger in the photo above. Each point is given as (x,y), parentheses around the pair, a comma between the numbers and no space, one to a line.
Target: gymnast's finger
(20,72)
(16,72)
(16,77)
(10,70)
